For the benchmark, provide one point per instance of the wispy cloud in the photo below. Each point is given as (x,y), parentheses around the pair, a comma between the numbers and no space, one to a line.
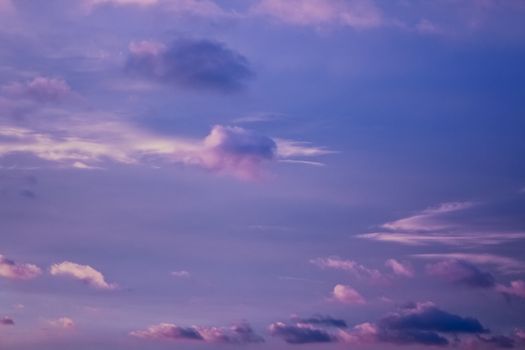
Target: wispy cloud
(356,269)
(437,225)
(399,268)
(85,273)
(231,150)
(502,264)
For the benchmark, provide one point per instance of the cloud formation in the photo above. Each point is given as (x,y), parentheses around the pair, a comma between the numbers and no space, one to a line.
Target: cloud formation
(62,322)
(237,334)
(356,269)
(195,64)
(85,273)
(358,14)
(320,320)
(440,225)
(300,333)
(399,268)
(40,89)
(516,288)
(231,150)
(12,270)
(461,272)
(346,294)
(7,321)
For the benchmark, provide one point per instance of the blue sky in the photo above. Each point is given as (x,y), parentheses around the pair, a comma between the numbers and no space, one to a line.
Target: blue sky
(262,174)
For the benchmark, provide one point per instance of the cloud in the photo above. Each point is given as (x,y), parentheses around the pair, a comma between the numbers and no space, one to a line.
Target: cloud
(40,89)
(319,320)
(300,333)
(181,273)
(230,150)
(346,294)
(502,264)
(400,269)
(499,341)
(7,321)
(516,288)
(441,225)
(357,14)
(196,64)
(84,273)
(12,270)
(237,334)
(62,322)
(351,266)
(461,272)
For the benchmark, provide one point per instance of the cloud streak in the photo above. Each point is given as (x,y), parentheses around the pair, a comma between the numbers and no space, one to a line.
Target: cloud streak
(85,273)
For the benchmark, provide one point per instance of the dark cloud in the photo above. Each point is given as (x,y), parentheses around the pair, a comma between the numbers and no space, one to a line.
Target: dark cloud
(197,64)
(7,321)
(427,317)
(322,321)
(300,334)
(409,336)
(462,272)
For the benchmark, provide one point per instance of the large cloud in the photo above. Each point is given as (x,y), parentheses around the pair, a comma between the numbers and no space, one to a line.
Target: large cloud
(12,270)
(84,273)
(237,334)
(230,150)
(196,64)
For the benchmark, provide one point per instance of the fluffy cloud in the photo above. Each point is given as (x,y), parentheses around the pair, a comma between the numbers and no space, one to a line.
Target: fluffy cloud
(41,89)
(236,334)
(399,269)
(358,14)
(85,273)
(461,272)
(346,294)
(230,150)
(12,270)
(196,64)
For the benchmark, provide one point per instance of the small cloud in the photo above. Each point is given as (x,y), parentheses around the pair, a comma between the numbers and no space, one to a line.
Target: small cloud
(195,64)
(400,269)
(320,320)
(84,273)
(347,295)
(12,270)
(181,274)
(300,333)
(7,321)
(351,266)
(41,89)
(516,288)
(62,322)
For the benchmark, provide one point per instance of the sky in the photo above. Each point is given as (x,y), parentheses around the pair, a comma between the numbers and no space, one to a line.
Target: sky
(262,174)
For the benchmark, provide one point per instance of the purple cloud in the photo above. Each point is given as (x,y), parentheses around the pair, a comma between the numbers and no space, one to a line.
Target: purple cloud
(12,270)
(196,64)
(351,266)
(7,321)
(320,320)
(461,272)
(516,288)
(300,333)
(399,268)
(41,89)
(347,295)
(237,334)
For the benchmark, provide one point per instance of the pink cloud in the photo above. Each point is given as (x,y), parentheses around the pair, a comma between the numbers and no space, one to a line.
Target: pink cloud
(400,269)
(516,288)
(84,273)
(12,270)
(346,294)
(351,266)
(41,89)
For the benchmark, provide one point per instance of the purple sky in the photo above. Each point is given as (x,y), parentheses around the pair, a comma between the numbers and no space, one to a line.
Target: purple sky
(262,174)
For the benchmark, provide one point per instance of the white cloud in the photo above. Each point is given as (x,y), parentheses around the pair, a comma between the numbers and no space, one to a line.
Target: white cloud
(399,268)
(84,273)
